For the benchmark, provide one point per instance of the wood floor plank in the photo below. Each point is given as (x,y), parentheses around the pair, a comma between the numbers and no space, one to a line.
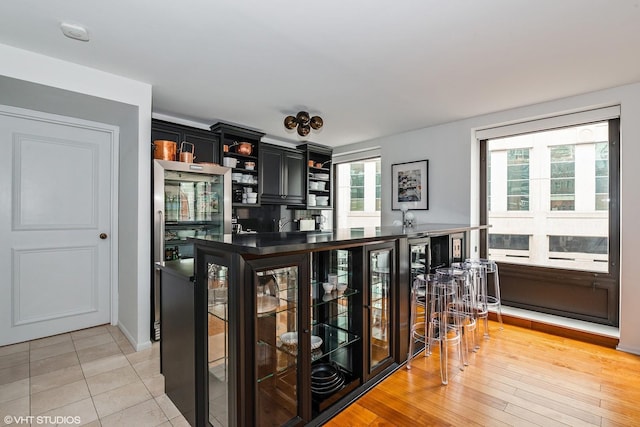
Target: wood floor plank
(520,377)
(358,416)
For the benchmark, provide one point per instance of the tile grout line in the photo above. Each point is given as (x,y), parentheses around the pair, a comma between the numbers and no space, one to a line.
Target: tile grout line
(115,338)
(93,403)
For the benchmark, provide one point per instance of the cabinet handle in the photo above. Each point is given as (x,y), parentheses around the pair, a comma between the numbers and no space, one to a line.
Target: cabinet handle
(306,331)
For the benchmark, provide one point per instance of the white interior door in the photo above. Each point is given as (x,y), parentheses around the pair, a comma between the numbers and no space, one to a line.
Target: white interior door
(55,224)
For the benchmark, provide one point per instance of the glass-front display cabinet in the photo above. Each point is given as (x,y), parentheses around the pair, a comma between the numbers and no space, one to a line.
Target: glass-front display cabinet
(291,338)
(336,325)
(380,286)
(276,345)
(217,344)
(420,260)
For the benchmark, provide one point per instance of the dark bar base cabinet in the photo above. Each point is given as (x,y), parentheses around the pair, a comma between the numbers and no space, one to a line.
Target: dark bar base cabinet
(178,337)
(289,328)
(277,348)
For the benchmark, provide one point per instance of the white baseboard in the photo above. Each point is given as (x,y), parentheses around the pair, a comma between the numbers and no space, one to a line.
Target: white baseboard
(137,346)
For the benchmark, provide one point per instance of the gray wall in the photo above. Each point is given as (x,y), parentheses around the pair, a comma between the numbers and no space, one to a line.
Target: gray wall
(453,171)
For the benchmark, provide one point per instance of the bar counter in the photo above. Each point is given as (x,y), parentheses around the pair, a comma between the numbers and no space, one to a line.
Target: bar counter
(228,318)
(294,241)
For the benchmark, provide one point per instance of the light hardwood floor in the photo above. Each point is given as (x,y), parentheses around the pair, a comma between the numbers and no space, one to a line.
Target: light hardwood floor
(520,377)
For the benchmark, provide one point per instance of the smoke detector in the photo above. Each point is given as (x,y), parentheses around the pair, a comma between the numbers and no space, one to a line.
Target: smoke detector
(73,31)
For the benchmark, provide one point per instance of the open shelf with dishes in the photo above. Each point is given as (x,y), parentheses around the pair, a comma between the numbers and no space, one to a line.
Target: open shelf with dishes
(240,150)
(319,175)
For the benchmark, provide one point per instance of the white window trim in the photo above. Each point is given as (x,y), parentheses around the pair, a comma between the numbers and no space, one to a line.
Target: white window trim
(565,120)
(357,155)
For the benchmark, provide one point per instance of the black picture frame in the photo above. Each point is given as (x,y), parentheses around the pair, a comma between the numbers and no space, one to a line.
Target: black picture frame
(410,185)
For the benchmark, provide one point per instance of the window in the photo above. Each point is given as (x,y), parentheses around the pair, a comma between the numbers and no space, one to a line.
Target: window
(552,186)
(602,176)
(358,194)
(578,244)
(558,170)
(378,187)
(518,180)
(562,178)
(357,187)
(517,242)
(489,183)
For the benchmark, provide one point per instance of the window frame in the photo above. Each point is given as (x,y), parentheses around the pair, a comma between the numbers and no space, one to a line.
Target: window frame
(538,279)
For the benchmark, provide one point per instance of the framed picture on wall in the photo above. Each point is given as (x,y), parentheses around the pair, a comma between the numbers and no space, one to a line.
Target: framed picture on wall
(410,185)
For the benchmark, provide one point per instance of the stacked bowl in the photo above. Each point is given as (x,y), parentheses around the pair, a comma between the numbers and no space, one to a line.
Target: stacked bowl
(326,379)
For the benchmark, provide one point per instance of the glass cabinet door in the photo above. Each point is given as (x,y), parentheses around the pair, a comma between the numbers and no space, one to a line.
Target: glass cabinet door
(380,308)
(419,252)
(420,261)
(218,344)
(336,325)
(276,347)
(193,206)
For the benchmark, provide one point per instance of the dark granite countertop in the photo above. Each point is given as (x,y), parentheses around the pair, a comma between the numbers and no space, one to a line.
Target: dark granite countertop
(182,267)
(292,241)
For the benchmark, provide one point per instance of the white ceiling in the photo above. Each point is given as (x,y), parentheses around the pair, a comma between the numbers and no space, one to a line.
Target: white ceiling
(369,67)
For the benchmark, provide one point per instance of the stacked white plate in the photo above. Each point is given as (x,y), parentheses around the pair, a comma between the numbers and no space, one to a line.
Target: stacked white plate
(322,200)
(311,200)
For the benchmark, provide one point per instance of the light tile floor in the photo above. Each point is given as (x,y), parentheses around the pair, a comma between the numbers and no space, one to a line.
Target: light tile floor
(90,377)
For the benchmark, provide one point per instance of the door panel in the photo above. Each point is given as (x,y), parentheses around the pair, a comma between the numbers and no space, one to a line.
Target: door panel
(47,196)
(40,276)
(55,202)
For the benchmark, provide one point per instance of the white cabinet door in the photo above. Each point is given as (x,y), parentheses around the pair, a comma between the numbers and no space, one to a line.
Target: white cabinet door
(55,224)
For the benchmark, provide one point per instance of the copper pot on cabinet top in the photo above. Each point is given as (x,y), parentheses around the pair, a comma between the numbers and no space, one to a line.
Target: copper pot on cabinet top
(186,153)
(244,148)
(164,150)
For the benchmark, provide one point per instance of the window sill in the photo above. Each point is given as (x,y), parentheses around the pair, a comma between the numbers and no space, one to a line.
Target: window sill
(607,336)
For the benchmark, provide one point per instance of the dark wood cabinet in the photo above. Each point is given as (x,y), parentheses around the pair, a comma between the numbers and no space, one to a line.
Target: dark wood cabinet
(282,174)
(206,144)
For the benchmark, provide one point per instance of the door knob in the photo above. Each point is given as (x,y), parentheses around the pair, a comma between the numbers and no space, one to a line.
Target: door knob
(103,236)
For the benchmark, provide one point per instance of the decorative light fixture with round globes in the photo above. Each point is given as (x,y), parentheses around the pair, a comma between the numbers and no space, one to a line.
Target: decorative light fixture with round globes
(304,123)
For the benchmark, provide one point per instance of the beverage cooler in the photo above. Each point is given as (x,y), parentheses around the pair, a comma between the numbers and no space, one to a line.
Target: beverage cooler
(190,200)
